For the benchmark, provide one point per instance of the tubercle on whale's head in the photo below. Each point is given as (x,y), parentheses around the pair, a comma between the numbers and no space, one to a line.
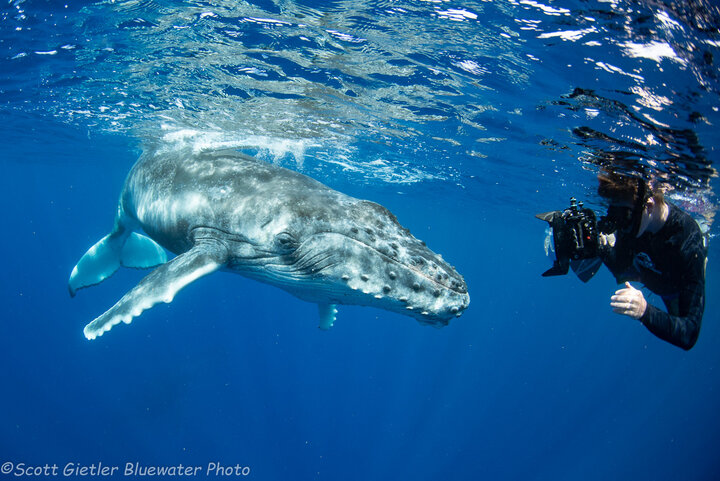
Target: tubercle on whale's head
(366,257)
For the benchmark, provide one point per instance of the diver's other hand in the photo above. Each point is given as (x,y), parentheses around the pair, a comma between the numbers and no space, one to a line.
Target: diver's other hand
(629,301)
(606,240)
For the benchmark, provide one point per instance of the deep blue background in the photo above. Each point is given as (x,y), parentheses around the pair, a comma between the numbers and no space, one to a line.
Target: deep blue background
(537,380)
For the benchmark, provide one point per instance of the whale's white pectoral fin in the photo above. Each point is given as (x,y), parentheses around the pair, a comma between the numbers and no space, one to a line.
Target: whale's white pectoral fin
(116,249)
(161,285)
(327,314)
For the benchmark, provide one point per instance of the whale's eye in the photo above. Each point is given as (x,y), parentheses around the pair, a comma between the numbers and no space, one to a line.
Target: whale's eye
(285,241)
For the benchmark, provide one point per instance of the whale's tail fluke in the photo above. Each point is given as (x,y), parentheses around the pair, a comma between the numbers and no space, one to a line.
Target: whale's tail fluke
(120,248)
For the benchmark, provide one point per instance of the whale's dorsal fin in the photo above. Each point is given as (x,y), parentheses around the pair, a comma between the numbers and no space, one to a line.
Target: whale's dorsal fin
(161,285)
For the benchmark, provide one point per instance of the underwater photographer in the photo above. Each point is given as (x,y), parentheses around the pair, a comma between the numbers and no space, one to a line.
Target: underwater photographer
(642,238)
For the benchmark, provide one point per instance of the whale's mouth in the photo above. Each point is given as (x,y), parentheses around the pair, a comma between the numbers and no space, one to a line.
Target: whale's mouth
(330,267)
(409,278)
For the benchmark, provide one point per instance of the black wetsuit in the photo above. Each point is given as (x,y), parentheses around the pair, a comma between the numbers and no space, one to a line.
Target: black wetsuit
(671,263)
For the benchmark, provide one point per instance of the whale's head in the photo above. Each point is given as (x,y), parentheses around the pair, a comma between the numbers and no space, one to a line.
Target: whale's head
(357,253)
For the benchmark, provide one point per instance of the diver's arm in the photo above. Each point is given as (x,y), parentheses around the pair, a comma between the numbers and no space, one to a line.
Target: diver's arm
(682,331)
(681,328)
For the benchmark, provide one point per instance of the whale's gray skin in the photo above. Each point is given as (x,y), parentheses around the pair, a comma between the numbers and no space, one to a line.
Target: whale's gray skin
(224,210)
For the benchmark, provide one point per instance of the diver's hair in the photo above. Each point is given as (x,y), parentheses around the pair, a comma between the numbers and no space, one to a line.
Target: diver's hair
(624,188)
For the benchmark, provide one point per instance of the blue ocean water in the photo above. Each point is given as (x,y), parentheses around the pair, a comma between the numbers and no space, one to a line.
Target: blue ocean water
(464,118)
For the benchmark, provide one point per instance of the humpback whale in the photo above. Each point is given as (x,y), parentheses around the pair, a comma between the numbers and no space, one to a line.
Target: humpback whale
(224,210)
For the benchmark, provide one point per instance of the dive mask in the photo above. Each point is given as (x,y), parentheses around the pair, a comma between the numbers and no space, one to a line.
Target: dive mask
(621,218)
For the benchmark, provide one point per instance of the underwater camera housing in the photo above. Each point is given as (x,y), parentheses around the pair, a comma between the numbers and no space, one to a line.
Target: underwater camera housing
(575,237)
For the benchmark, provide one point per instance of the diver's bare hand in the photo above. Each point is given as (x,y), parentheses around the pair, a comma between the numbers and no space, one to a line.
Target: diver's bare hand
(606,240)
(629,301)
